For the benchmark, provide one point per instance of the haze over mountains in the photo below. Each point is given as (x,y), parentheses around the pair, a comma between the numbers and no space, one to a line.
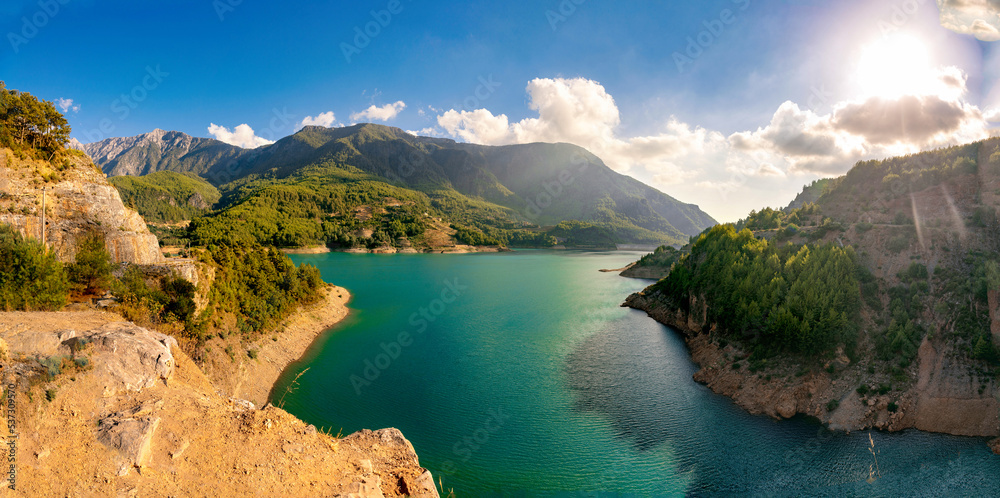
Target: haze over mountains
(535,184)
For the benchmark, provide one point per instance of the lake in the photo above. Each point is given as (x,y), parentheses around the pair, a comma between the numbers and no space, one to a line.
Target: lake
(519,374)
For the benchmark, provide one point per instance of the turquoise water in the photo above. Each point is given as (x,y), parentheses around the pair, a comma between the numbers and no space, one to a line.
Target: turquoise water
(519,374)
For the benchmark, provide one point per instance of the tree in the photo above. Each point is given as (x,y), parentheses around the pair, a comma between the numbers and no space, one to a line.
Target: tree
(27,122)
(91,273)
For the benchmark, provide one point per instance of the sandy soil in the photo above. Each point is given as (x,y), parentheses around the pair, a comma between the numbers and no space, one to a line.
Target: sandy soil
(252,379)
(205,443)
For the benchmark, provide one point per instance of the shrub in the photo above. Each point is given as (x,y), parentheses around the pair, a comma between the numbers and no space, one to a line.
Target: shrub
(31,278)
(832,405)
(863,389)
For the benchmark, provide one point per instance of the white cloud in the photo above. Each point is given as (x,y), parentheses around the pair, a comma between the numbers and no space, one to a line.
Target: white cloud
(241,136)
(375,113)
(66,105)
(765,166)
(324,119)
(979,18)
(430,131)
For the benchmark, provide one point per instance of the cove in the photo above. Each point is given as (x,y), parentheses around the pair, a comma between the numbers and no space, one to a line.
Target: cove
(532,381)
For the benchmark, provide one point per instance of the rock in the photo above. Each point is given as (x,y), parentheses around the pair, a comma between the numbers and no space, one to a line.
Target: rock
(786,406)
(370,487)
(131,433)
(292,448)
(422,486)
(197,201)
(995,445)
(365,466)
(180,449)
(241,404)
(132,358)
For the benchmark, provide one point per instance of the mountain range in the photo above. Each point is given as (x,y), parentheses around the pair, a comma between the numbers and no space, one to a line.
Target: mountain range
(529,186)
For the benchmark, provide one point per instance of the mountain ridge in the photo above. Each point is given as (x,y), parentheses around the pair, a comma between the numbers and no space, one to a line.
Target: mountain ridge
(523,185)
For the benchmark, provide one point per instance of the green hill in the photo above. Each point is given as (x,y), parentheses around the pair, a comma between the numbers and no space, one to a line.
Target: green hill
(165,196)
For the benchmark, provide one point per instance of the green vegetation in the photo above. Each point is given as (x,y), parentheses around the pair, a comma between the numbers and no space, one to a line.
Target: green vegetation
(29,124)
(261,286)
(795,299)
(165,196)
(663,256)
(91,272)
(31,278)
(164,301)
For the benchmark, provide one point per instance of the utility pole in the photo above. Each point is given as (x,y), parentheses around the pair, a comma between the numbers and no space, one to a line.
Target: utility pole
(43,217)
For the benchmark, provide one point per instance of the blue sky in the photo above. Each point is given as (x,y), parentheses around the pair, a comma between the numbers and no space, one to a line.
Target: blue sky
(767,98)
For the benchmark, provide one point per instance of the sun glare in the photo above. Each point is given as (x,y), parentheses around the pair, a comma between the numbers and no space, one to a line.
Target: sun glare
(895,66)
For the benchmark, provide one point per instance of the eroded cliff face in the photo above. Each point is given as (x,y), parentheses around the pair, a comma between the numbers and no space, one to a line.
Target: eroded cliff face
(947,397)
(78,200)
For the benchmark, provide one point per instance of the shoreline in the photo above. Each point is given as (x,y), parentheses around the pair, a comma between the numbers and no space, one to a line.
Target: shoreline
(920,407)
(300,332)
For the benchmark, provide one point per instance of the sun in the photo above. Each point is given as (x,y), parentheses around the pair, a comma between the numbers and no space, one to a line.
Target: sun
(895,66)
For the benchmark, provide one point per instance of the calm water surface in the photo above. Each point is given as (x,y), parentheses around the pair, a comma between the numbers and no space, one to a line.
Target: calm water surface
(519,374)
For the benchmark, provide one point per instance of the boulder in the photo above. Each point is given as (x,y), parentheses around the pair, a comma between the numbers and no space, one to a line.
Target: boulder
(131,433)
(131,358)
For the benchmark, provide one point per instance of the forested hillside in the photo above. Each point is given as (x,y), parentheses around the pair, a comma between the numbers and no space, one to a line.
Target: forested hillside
(165,196)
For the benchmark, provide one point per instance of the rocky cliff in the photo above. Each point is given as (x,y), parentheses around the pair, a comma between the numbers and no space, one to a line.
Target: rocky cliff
(948,397)
(78,200)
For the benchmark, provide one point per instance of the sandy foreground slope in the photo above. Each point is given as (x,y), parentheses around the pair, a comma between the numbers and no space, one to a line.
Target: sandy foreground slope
(140,418)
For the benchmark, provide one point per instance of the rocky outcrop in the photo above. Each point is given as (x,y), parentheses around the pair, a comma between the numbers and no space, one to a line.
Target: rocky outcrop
(950,399)
(947,397)
(130,433)
(197,201)
(78,200)
(129,357)
(646,272)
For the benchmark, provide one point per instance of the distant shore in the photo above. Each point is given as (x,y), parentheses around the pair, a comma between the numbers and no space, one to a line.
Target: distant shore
(458,249)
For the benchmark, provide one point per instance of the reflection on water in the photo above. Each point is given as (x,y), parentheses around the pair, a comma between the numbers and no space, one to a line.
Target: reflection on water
(639,377)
